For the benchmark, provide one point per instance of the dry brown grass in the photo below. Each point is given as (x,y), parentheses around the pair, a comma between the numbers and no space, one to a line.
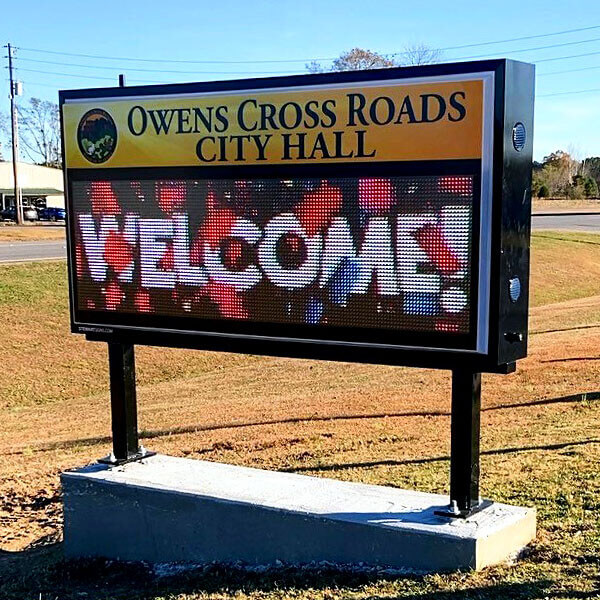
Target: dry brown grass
(31,232)
(539,427)
(564,205)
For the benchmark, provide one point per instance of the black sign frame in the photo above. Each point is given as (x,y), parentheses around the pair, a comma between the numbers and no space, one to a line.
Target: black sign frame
(508,243)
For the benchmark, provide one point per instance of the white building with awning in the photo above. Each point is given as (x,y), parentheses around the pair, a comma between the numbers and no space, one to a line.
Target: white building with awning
(40,186)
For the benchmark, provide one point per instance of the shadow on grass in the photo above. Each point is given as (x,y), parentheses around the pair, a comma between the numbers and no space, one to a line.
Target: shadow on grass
(574,328)
(573,359)
(186,429)
(433,459)
(40,572)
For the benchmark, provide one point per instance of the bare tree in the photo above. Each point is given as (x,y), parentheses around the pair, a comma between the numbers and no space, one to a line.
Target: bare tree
(420,54)
(359,59)
(356,59)
(39,132)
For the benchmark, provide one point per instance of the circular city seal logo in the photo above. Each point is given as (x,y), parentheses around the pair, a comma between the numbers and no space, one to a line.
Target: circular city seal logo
(97,135)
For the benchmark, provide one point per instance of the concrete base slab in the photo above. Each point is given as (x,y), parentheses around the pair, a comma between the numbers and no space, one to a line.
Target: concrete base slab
(167,509)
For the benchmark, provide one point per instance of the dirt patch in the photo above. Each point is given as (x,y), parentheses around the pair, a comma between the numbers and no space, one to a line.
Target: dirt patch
(563,205)
(33,232)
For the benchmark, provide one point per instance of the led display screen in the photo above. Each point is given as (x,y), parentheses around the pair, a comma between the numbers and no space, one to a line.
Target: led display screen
(375,253)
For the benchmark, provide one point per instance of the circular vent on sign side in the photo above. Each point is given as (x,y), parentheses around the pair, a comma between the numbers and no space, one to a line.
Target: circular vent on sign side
(519,136)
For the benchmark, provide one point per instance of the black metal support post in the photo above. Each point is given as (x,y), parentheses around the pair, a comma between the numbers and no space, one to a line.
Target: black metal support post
(123,406)
(464,444)
(464,455)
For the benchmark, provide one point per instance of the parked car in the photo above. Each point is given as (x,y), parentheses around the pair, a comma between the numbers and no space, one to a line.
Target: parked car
(30,213)
(52,213)
(10,214)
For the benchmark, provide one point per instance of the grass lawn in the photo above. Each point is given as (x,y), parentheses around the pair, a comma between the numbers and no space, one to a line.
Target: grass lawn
(565,266)
(540,440)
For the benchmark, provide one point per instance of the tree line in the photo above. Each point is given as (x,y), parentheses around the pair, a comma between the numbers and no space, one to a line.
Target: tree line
(560,175)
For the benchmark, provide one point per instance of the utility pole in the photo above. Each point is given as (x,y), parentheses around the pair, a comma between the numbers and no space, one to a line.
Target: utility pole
(14,92)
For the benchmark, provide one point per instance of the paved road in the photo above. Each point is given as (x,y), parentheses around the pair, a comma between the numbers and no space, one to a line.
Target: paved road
(570,222)
(25,251)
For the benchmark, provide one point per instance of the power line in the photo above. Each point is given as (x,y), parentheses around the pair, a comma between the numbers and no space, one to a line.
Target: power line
(88,76)
(568,71)
(572,92)
(178,72)
(49,85)
(137,69)
(566,57)
(298,60)
(165,60)
(100,77)
(518,39)
(532,49)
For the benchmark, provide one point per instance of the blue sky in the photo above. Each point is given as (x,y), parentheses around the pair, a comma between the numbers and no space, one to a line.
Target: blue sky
(234,30)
